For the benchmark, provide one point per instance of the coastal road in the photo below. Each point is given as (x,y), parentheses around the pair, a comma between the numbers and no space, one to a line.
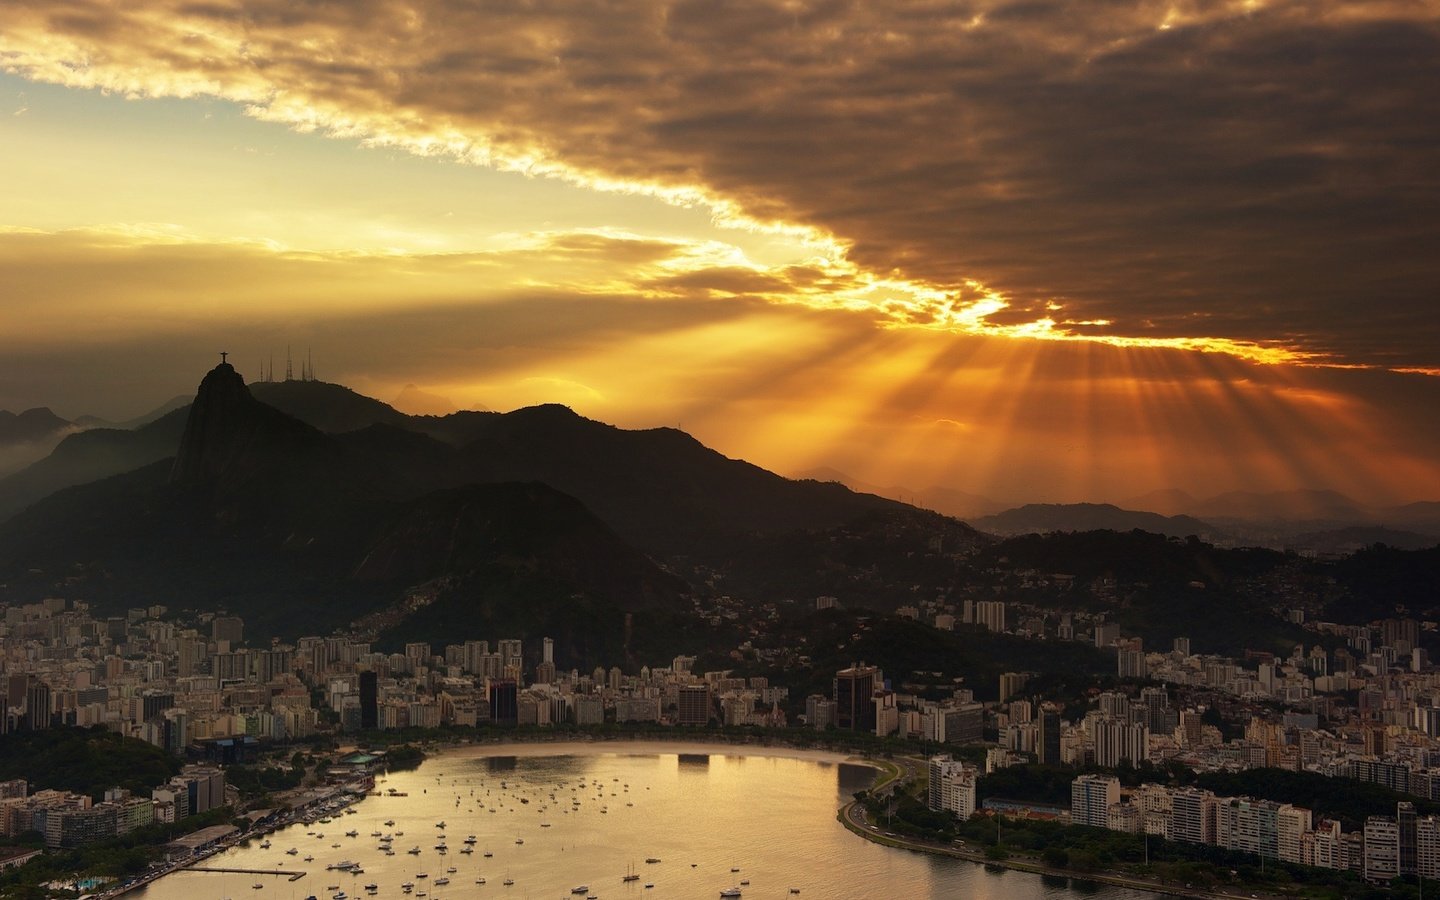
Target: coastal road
(853,816)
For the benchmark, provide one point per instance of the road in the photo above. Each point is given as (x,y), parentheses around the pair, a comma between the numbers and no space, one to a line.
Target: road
(853,816)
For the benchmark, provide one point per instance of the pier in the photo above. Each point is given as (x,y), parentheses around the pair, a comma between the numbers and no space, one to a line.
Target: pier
(294,875)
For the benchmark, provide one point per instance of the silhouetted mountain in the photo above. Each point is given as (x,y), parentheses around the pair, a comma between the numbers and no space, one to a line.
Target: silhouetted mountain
(297,529)
(89,456)
(1040,518)
(261,510)
(30,426)
(178,402)
(331,408)
(660,489)
(1357,537)
(417,402)
(1172,502)
(949,501)
(1292,506)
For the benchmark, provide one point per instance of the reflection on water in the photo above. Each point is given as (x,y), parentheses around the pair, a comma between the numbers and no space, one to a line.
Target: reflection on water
(550,819)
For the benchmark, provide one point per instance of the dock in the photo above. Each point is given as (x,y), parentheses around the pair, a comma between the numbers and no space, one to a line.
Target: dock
(293,875)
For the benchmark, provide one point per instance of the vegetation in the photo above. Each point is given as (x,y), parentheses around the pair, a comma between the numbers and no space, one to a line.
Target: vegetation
(256,781)
(123,857)
(1343,799)
(84,760)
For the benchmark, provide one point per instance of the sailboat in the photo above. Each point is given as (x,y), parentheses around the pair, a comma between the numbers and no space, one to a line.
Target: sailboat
(630,874)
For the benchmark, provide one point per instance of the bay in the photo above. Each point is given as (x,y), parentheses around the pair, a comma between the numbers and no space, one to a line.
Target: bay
(558,816)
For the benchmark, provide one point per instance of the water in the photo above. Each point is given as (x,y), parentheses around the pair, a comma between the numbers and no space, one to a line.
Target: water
(701,813)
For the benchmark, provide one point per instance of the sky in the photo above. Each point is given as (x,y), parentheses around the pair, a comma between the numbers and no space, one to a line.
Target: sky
(1027,250)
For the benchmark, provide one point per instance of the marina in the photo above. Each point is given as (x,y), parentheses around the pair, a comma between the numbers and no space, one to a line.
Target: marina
(702,823)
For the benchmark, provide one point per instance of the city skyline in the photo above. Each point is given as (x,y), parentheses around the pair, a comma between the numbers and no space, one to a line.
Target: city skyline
(1015,251)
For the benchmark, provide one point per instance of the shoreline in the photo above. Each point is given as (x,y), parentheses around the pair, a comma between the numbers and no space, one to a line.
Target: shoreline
(647,746)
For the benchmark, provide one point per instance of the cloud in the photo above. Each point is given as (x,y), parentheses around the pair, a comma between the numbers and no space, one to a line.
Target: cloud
(1262,174)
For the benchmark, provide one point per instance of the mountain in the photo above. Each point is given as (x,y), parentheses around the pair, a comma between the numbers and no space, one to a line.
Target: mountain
(178,402)
(303,505)
(1291,506)
(1040,518)
(1171,502)
(28,436)
(88,456)
(30,426)
(415,401)
(949,501)
(1356,537)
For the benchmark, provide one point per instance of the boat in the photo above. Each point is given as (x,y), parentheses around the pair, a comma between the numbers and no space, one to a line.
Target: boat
(443,879)
(291,852)
(309,858)
(467,849)
(649,884)
(257,886)
(470,839)
(507,882)
(580,889)
(480,880)
(519,840)
(389,823)
(352,833)
(794,890)
(630,874)
(451,870)
(413,851)
(265,844)
(730,892)
(343,865)
(652,860)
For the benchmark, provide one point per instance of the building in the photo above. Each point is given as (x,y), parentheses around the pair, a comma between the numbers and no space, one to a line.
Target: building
(369,700)
(1117,740)
(1192,816)
(952,786)
(853,689)
(1047,748)
(504,701)
(693,705)
(990,614)
(1382,849)
(1091,797)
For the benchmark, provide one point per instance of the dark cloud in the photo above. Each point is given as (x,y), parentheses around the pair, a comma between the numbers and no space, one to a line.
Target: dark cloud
(1180,170)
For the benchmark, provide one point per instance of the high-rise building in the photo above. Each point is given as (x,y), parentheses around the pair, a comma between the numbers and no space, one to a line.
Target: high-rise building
(1011,684)
(853,689)
(1091,797)
(952,786)
(504,702)
(230,629)
(369,700)
(1192,816)
(1048,742)
(693,704)
(37,705)
(1382,849)
(1405,822)
(991,614)
(1117,740)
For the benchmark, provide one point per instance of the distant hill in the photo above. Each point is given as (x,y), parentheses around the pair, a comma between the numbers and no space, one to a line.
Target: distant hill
(1305,505)
(30,425)
(323,505)
(1041,518)
(949,501)
(1356,537)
